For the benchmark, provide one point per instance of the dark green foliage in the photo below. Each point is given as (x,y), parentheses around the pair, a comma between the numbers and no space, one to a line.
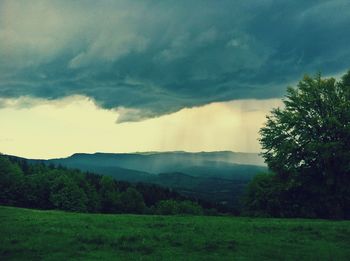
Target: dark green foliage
(49,187)
(190,208)
(263,196)
(132,201)
(306,144)
(167,207)
(109,195)
(11,182)
(67,195)
(225,193)
(38,189)
(93,203)
(209,176)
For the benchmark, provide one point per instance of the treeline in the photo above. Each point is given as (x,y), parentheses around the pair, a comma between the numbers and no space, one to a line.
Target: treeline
(270,195)
(306,196)
(39,186)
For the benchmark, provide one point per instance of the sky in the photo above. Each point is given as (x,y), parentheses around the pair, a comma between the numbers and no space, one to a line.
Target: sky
(125,76)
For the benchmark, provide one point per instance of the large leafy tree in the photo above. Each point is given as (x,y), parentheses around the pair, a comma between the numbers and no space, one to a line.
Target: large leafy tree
(11,182)
(110,201)
(307,143)
(67,195)
(132,201)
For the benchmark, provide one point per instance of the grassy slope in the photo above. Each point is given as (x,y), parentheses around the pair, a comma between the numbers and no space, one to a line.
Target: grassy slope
(53,235)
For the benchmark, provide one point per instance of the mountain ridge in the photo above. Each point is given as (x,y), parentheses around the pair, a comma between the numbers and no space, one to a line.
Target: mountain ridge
(220,177)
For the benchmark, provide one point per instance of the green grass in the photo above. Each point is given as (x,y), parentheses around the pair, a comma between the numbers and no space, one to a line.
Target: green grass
(54,235)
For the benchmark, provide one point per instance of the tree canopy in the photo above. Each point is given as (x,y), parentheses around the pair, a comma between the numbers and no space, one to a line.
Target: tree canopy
(307,144)
(36,185)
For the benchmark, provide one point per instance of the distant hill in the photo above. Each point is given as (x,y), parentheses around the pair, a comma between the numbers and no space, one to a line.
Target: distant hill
(224,170)
(157,162)
(219,177)
(215,176)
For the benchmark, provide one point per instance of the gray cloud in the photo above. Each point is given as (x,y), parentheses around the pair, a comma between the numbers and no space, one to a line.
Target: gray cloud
(155,57)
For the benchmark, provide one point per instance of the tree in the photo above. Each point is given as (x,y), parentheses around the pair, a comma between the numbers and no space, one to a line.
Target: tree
(307,144)
(38,189)
(11,183)
(110,202)
(132,201)
(67,195)
(263,196)
(93,199)
(167,207)
(190,208)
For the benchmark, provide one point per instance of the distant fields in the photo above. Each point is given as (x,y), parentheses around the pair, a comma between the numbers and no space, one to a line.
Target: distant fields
(54,235)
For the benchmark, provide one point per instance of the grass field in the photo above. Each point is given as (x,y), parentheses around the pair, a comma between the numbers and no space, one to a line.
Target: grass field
(53,235)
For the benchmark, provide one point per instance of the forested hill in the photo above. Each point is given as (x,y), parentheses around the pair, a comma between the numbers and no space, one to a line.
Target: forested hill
(217,177)
(37,185)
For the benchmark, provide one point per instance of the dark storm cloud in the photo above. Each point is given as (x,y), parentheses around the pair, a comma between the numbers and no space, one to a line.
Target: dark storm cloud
(156,57)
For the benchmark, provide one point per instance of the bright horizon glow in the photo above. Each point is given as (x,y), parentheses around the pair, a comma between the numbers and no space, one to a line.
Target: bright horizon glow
(38,128)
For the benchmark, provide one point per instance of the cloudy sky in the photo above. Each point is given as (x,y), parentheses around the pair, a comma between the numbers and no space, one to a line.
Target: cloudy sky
(122,76)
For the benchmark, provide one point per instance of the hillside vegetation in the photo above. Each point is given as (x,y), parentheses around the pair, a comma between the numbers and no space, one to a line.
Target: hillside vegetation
(54,235)
(218,177)
(23,184)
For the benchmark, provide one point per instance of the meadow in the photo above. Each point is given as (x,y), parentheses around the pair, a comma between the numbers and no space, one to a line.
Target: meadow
(27,234)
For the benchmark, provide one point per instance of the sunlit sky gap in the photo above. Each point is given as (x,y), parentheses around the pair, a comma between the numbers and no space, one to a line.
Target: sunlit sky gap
(47,129)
